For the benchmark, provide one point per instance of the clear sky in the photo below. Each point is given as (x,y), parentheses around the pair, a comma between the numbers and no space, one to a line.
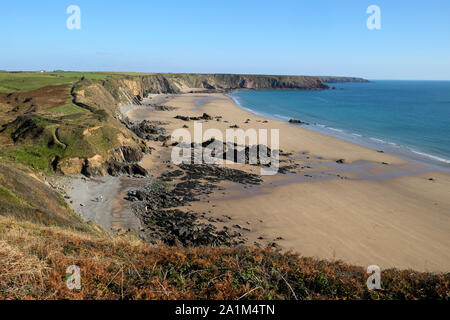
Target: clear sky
(304,37)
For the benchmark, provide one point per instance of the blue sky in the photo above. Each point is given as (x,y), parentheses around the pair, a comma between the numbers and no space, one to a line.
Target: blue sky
(304,37)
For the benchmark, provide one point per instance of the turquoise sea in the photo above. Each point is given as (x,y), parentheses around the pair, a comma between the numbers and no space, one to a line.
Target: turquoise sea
(408,118)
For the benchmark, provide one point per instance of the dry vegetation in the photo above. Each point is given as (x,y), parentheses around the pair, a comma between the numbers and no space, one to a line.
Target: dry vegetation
(40,237)
(34,259)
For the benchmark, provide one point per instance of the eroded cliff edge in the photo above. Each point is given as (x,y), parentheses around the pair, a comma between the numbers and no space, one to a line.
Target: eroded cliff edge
(78,127)
(177,83)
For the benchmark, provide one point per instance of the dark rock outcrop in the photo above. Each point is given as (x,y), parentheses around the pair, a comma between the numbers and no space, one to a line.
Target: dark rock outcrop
(119,168)
(113,168)
(156,205)
(205,116)
(330,79)
(297,121)
(163,108)
(145,129)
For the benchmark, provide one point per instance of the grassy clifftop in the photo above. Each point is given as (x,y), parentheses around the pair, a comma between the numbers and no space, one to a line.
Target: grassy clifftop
(28,81)
(162,82)
(48,129)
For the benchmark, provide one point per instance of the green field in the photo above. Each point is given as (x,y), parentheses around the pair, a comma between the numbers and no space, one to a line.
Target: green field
(67,109)
(26,81)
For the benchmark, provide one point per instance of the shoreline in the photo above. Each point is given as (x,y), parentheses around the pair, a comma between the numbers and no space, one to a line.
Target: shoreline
(406,152)
(210,96)
(375,208)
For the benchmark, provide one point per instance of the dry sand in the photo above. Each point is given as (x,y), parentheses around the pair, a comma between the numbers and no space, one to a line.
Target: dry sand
(101,200)
(362,212)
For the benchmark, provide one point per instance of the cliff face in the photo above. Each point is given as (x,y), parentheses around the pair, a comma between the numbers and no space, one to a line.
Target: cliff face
(342,79)
(76,127)
(227,82)
(176,83)
(109,94)
(128,89)
(103,98)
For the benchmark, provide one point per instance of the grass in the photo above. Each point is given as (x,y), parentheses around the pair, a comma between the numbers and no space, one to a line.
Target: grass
(38,153)
(25,198)
(59,132)
(35,157)
(67,109)
(27,81)
(6,195)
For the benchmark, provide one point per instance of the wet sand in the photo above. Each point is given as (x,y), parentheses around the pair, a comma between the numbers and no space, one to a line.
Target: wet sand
(375,208)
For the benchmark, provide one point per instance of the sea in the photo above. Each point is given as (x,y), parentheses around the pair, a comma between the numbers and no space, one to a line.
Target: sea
(407,118)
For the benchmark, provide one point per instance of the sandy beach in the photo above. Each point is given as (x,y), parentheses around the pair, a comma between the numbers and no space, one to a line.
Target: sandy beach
(373,208)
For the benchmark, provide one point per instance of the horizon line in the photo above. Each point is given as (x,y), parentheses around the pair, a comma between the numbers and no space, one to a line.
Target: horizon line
(229,73)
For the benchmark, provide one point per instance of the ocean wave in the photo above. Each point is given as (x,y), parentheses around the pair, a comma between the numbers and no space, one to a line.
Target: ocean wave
(334,129)
(238,103)
(377,140)
(430,156)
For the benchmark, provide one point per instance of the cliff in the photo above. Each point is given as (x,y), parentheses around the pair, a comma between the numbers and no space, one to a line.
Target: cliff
(328,79)
(175,83)
(226,82)
(74,126)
